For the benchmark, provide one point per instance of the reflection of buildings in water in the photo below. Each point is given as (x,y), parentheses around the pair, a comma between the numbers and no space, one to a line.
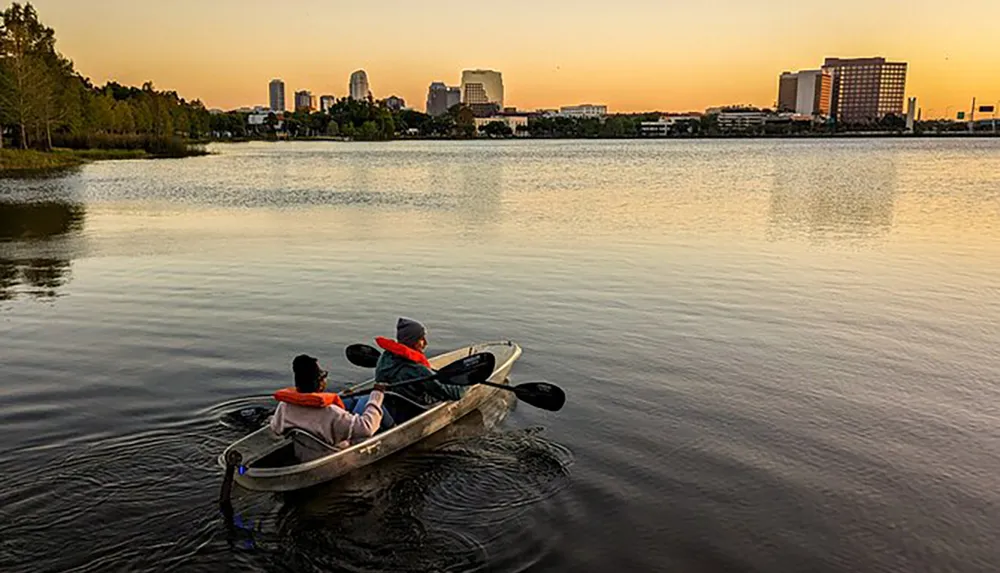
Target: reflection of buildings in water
(26,233)
(482,190)
(842,196)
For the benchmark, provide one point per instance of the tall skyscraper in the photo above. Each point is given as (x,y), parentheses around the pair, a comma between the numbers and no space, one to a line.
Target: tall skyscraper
(359,88)
(482,87)
(304,101)
(277,93)
(807,92)
(326,102)
(866,89)
(788,91)
(454,97)
(441,98)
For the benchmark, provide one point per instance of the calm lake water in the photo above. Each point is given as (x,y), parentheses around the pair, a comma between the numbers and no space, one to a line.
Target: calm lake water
(779,356)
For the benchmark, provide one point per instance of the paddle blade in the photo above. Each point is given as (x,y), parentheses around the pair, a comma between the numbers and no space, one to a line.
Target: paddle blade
(468,371)
(541,395)
(362,355)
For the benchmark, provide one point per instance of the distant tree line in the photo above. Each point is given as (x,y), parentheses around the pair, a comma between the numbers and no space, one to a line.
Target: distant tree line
(45,103)
(363,120)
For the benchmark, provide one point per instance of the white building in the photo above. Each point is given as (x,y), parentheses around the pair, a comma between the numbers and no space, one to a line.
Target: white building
(326,102)
(511,121)
(661,127)
(482,87)
(807,92)
(741,120)
(584,110)
(359,88)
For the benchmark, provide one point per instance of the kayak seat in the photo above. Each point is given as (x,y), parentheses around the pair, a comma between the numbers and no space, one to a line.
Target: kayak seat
(308,446)
(401,408)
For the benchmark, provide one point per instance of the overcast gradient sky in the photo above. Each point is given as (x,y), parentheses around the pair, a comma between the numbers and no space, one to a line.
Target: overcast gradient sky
(670,55)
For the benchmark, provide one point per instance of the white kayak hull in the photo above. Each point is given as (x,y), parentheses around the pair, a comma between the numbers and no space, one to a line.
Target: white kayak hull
(263,450)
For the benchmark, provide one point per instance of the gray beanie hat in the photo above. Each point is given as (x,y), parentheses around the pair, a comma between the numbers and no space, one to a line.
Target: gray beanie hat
(409,331)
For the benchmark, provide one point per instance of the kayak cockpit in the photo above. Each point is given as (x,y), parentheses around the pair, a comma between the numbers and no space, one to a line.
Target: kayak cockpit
(272,462)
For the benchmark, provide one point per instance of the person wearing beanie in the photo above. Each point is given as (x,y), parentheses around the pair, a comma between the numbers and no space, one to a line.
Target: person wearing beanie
(404,359)
(308,406)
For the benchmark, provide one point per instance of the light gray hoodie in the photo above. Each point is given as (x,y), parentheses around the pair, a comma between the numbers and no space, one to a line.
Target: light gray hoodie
(337,426)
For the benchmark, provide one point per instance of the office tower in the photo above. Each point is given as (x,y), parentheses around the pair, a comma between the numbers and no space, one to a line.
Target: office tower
(807,92)
(304,101)
(866,89)
(277,93)
(482,87)
(359,88)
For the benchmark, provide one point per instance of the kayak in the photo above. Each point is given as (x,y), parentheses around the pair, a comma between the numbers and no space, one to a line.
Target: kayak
(298,460)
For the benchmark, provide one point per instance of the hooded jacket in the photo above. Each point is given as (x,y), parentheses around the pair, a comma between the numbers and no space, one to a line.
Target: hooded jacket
(400,363)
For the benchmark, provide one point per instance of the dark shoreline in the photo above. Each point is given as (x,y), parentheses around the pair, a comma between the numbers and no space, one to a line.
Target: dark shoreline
(17,163)
(815,136)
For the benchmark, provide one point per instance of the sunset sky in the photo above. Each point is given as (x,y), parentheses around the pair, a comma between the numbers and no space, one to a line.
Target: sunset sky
(633,55)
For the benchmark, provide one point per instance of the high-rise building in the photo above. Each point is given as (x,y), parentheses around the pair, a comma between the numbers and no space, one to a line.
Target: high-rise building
(277,93)
(441,98)
(788,91)
(326,102)
(866,89)
(305,101)
(359,88)
(807,92)
(454,97)
(395,103)
(482,87)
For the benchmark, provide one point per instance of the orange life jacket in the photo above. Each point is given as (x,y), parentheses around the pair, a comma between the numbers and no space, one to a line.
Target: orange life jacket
(310,399)
(402,350)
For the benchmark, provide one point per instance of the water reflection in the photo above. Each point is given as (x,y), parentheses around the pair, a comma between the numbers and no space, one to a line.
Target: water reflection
(28,256)
(452,501)
(482,185)
(835,196)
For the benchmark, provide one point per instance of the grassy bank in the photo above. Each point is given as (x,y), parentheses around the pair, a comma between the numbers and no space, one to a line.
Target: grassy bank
(19,161)
(15,161)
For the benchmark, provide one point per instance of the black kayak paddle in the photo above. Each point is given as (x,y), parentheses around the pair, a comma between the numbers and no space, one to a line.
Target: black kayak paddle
(362,355)
(469,371)
(539,394)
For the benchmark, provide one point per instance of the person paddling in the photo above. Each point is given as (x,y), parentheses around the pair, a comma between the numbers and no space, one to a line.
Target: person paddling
(404,359)
(309,407)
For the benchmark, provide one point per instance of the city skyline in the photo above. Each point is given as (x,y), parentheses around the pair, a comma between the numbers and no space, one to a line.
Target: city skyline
(620,58)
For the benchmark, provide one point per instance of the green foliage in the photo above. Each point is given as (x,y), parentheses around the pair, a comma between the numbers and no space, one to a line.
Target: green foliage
(369,131)
(16,161)
(158,146)
(497,129)
(44,101)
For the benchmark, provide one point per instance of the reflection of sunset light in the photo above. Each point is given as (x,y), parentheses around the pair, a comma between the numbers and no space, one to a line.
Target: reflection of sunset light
(640,55)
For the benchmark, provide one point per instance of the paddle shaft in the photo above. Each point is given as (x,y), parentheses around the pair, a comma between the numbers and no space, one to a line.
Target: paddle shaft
(389,386)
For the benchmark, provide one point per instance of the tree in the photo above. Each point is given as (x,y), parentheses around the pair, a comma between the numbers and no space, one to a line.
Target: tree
(332,129)
(369,131)
(386,125)
(25,82)
(272,123)
(318,123)
(465,121)
(497,129)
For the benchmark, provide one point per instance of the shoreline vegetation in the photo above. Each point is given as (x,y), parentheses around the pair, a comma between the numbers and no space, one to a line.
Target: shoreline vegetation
(28,162)
(51,117)
(749,136)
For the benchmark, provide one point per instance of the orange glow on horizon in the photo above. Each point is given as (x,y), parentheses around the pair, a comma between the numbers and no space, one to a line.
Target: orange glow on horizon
(641,56)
